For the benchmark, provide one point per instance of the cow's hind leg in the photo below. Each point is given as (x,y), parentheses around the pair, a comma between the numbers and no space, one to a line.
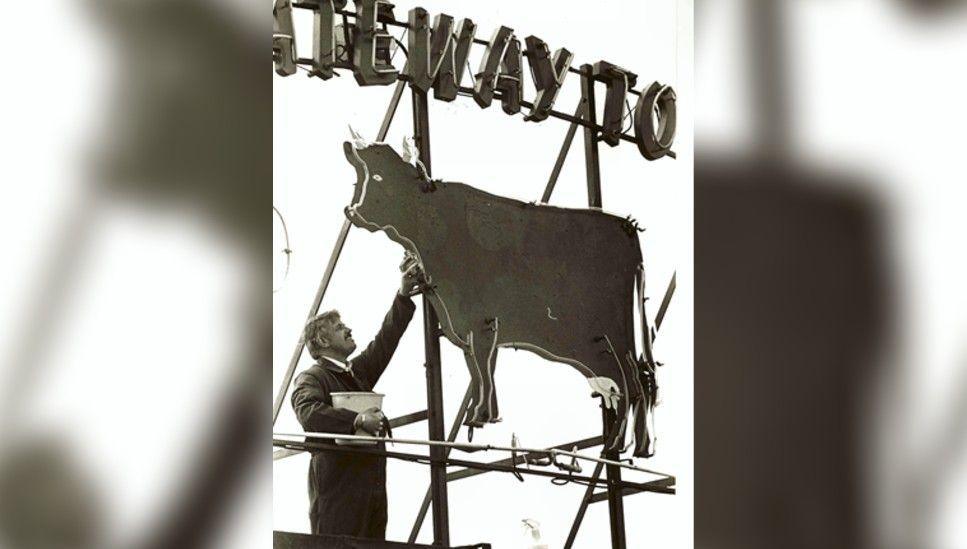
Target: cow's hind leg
(611,399)
(614,435)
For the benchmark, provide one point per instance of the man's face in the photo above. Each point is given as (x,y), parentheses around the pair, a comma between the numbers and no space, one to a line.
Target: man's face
(340,339)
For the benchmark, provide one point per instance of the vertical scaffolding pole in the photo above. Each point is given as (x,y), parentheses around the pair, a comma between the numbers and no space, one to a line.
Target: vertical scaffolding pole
(591,161)
(616,508)
(434,380)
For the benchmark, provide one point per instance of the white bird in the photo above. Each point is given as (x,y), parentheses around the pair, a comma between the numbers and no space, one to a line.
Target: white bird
(533,528)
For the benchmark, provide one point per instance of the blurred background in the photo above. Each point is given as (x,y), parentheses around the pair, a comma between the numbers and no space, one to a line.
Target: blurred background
(541,402)
(831,376)
(134,362)
(830,382)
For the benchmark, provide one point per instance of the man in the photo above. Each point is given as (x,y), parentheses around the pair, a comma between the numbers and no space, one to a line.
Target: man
(347,492)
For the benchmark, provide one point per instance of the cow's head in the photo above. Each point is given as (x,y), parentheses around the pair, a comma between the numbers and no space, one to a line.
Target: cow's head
(391,194)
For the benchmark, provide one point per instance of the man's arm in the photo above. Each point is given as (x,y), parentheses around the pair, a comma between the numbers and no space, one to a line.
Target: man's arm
(371,363)
(311,402)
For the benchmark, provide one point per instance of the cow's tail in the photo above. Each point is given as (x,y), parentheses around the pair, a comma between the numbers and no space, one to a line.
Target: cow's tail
(644,407)
(644,411)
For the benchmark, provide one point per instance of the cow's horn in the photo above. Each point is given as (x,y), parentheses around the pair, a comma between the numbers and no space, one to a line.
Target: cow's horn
(410,152)
(358,140)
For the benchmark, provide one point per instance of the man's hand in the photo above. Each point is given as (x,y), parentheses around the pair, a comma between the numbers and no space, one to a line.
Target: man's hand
(414,281)
(371,421)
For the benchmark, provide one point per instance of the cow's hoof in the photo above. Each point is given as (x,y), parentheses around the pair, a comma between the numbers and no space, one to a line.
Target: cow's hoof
(605,387)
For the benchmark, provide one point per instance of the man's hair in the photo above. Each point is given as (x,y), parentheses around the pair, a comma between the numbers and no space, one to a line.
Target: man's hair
(319,326)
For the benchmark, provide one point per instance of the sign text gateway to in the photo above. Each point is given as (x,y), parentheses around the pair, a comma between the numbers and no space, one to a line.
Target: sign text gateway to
(437,55)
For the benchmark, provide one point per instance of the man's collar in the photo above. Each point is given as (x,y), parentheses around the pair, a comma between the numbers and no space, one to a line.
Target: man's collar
(336,365)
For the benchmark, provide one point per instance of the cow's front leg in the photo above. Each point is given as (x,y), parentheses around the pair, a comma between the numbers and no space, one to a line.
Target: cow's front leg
(479,376)
(611,399)
(469,354)
(493,412)
(481,351)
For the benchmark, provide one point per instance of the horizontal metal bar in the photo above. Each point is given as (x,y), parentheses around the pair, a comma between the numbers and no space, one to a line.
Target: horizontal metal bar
(663,486)
(552,451)
(572,70)
(391,22)
(417,458)
(559,115)
(553,114)
(408,419)
(581,445)
(401,421)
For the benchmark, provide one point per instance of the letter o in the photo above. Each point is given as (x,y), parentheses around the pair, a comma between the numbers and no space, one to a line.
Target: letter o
(653,142)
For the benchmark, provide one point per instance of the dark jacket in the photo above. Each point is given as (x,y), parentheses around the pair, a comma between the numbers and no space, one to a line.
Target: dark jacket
(347,492)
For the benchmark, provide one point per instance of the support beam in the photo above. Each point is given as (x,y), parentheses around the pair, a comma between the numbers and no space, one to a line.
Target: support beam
(616,509)
(401,421)
(592,165)
(391,110)
(324,284)
(665,483)
(408,419)
(576,525)
(591,160)
(431,339)
(669,292)
(284,453)
(420,458)
(562,156)
(467,473)
(454,429)
(313,311)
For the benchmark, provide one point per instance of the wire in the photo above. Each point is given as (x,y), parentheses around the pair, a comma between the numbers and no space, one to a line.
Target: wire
(287,250)
(628,108)
(399,42)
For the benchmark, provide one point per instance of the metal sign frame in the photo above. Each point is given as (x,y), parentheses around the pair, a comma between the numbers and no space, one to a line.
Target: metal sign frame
(437,493)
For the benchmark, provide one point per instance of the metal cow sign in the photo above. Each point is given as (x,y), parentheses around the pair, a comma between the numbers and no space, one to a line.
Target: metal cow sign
(504,273)
(438,52)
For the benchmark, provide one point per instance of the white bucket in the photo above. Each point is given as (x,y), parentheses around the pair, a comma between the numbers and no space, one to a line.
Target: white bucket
(357,402)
